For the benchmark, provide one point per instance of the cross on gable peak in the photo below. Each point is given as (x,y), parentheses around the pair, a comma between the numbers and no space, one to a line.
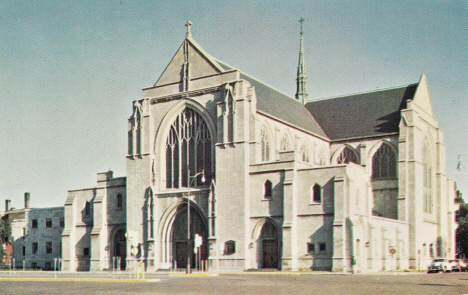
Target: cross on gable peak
(188,24)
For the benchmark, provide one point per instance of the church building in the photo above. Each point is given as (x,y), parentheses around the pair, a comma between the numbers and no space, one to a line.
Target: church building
(226,173)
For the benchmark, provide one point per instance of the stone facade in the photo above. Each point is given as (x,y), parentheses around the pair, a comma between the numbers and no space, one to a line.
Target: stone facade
(94,218)
(354,183)
(36,235)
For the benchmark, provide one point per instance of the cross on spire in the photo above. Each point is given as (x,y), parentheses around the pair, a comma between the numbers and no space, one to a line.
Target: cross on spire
(188,24)
(301,21)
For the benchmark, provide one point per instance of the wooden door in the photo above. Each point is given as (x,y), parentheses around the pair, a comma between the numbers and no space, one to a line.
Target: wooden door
(270,253)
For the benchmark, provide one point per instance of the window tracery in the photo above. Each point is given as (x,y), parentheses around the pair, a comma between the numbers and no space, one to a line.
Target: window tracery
(347,156)
(384,163)
(188,148)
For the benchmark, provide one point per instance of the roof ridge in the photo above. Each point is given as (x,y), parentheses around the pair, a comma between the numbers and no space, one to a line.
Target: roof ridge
(259,81)
(363,92)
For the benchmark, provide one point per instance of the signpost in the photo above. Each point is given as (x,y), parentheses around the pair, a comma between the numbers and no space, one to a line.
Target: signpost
(198,243)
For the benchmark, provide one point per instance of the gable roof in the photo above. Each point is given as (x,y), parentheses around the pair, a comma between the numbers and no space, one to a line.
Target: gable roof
(273,103)
(367,114)
(354,116)
(201,63)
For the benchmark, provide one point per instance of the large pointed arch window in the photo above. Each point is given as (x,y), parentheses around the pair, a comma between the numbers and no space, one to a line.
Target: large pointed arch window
(384,163)
(188,150)
(265,145)
(347,156)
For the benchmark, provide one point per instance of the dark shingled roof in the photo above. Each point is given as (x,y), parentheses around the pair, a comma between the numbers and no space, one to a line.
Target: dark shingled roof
(362,115)
(281,106)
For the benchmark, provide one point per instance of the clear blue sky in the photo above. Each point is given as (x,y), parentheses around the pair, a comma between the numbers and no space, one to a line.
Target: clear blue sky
(69,71)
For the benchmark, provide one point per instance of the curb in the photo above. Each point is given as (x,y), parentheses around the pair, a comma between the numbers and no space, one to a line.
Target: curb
(77,280)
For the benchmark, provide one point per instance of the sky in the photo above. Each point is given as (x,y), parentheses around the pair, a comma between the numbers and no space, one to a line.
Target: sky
(69,71)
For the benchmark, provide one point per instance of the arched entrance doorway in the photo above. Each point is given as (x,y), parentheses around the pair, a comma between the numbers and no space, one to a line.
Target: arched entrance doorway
(269,245)
(181,247)
(120,248)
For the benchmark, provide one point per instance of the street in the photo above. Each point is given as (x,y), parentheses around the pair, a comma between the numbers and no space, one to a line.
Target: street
(242,283)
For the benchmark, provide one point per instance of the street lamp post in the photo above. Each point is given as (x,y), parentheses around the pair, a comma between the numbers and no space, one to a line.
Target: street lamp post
(189,254)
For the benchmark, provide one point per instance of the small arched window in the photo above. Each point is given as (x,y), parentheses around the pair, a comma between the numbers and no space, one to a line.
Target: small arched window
(265,145)
(384,163)
(119,201)
(284,145)
(317,193)
(305,153)
(229,247)
(347,156)
(87,208)
(267,189)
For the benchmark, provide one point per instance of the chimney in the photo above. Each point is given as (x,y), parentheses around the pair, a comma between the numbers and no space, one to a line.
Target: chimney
(7,205)
(27,199)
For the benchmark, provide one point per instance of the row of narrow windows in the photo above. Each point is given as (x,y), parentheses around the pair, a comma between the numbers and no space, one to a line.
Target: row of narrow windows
(48,223)
(384,160)
(35,248)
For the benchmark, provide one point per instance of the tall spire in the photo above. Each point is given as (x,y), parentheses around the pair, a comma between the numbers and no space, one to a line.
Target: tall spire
(301,80)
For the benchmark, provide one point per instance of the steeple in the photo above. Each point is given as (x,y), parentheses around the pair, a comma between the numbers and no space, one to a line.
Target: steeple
(301,80)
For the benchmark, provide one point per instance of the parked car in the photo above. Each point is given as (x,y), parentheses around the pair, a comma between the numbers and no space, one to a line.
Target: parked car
(462,264)
(439,264)
(454,265)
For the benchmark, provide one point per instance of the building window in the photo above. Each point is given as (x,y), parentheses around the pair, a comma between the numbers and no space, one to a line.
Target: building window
(119,201)
(48,265)
(87,208)
(230,247)
(310,247)
(284,145)
(86,251)
(384,163)
(321,157)
(347,156)
(48,222)
(62,222)
(24,231)
(265,145)
(48,247)
(34,223)
(305,153)
(188,150)
(317,193)
(267,189)
(24,250)
(427,177)
(34,247)
(322,247)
